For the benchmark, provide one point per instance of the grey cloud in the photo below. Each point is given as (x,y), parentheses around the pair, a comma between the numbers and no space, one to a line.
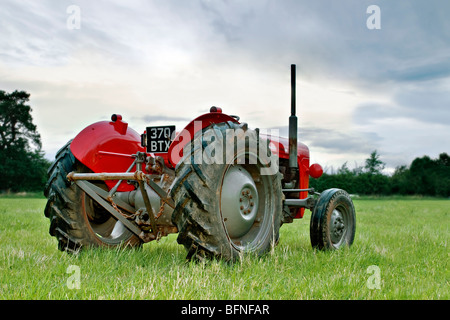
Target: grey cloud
(336,141)
(341,141)
(429,106)
(369,112)
(424,72)
(329,39)
(420,104)
(326,38)
(37,33)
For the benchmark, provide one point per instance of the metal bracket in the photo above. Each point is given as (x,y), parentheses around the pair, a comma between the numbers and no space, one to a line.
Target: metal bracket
(86,188)
(148,207)
(308,203)
(137,175)
(311,191)
(103,197)
(161,193)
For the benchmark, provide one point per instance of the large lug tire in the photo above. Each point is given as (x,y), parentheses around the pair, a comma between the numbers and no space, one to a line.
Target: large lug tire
(75,219)
(224,210)
(333,220)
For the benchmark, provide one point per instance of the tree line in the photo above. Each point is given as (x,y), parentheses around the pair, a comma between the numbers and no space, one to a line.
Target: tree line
(424,176)
(24,168)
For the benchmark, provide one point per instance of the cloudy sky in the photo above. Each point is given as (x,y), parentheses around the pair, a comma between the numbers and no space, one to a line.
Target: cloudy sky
(166,62)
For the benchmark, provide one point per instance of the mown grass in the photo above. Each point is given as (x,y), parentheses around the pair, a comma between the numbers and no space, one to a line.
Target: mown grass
(405,239)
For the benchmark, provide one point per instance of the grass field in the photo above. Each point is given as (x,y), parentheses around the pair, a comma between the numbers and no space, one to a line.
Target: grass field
(400,252)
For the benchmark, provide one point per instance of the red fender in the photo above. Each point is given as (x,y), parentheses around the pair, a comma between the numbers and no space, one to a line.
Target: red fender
(187,134)
(107,146)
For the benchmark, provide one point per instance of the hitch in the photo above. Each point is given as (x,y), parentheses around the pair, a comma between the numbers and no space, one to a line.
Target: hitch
(105,199)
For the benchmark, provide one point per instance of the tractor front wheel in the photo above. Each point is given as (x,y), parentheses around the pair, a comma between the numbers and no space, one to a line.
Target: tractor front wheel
(333,220)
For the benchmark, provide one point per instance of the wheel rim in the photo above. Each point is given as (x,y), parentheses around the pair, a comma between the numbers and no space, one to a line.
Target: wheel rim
(337,227)
(340,223)
(246,206)
(239,201)
(105,227)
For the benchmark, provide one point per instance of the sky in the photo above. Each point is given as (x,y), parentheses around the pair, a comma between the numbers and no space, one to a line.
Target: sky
(366,80)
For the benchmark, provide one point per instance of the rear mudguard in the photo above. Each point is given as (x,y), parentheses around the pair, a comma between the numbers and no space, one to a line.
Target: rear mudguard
(187,134)
(107,146)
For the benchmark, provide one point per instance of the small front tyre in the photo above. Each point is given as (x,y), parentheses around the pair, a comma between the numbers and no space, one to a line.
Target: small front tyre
(333,220)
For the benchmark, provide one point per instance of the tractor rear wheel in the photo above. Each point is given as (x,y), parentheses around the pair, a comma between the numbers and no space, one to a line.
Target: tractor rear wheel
(229,208)
(333,220)
(75,219)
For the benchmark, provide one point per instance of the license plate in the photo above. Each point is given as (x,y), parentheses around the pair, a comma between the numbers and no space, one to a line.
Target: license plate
(159,138)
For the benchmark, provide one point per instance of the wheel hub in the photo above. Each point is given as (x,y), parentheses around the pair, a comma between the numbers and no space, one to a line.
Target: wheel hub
(247,200)
(239,201)
(337,226)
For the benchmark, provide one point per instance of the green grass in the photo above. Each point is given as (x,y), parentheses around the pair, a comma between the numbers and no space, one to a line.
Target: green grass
(406,239)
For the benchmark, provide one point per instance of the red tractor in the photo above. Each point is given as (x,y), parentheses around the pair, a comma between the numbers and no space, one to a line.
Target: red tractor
(224,188)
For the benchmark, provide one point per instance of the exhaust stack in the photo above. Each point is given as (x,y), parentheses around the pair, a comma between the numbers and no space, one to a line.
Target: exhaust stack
(293,123)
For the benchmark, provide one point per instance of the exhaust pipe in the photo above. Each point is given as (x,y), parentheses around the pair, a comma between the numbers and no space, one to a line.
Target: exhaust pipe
(293,124)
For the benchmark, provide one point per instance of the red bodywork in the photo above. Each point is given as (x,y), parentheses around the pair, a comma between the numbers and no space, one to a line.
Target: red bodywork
(107,146)
(185,136)
(282,149)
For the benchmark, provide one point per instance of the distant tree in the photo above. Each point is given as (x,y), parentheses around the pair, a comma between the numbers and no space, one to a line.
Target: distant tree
(443,175)
(431,177)
(17,130)
(399,181)
(444,160)
(357,170)
(22,162)
(373,164)
(344,169)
